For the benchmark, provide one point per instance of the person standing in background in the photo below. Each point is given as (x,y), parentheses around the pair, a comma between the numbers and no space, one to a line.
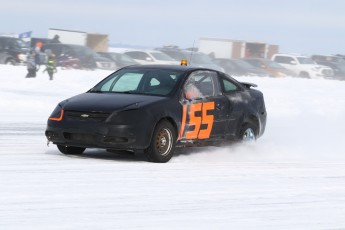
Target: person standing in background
(51,66)
(33,63)
(55,39)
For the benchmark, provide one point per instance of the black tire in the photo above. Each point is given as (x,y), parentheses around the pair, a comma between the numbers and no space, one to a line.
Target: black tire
(10,62)
(70,150)
(248,133)
(304,75)
(162,144)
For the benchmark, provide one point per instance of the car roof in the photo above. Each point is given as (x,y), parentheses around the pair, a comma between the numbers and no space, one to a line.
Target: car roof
(168,67)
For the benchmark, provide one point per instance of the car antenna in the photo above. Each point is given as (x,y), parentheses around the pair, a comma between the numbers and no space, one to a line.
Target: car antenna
(191,53)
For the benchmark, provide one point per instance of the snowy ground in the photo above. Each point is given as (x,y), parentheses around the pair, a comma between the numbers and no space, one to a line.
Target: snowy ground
(292,178)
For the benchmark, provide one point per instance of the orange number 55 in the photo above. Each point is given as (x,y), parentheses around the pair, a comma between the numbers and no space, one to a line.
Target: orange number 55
(197,121)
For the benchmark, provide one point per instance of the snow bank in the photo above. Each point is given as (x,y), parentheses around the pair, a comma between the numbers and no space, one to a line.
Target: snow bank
(291,178)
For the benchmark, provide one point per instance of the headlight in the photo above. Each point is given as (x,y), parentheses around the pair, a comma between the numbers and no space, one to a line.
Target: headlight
(57,114)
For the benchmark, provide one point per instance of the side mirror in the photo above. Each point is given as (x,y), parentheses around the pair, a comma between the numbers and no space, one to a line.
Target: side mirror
(293,62)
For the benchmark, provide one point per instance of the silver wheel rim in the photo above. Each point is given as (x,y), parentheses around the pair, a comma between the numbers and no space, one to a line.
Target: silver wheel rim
(248,135)
(164,141)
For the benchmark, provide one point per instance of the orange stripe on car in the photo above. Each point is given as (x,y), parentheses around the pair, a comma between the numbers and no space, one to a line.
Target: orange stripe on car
(183,122)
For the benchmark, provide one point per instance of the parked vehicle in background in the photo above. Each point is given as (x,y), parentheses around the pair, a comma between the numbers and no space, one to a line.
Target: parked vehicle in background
(77,56)
(334,62)
(238,67)
(121,60)
(272,68)
(95,41)
(303,66)
(146,57)
(340,56)
(193,58)
(229,48)
(13,51)
(331,58)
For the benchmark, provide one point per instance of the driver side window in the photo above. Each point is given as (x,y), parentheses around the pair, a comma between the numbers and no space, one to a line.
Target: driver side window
(200,84)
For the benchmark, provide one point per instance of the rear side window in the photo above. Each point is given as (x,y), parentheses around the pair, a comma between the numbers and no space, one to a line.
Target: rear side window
(229,86)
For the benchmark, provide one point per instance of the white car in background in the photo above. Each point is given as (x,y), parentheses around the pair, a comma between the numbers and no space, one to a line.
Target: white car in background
(303,66)
(146,57)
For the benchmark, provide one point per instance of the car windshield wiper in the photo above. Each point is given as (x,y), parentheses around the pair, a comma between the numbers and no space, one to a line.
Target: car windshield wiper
(96,91)
(128,92)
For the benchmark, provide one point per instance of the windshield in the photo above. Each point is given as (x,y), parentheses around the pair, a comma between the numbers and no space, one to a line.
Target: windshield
(161,56)
(140,81)
(304,60)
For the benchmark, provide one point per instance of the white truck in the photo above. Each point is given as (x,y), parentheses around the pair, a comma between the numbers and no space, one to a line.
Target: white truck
(228,48)
(97,42)
(303,66)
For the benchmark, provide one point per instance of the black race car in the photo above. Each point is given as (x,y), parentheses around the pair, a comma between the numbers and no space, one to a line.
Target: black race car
(157,108)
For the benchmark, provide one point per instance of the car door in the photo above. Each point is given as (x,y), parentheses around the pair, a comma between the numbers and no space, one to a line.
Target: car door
(238,100)
(205,109)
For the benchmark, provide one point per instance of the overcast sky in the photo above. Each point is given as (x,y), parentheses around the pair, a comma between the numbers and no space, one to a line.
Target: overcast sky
(308,27)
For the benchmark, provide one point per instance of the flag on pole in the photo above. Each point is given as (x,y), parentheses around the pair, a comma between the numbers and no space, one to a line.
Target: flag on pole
(25,35)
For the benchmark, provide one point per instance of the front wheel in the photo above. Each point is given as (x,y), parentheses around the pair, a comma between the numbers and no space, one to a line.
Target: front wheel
(10,62)
(248,133)
(70,150)
(162,144)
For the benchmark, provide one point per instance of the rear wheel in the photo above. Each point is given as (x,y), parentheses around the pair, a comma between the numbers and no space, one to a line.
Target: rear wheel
(163,143)
(70,149)
(248,133)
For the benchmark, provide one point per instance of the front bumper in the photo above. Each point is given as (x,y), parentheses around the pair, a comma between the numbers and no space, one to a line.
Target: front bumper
(89,135)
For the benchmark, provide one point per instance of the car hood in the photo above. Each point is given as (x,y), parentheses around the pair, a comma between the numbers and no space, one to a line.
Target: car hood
(108,102)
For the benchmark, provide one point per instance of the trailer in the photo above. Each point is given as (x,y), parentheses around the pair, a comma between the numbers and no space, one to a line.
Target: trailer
(228,48)
(97,42)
